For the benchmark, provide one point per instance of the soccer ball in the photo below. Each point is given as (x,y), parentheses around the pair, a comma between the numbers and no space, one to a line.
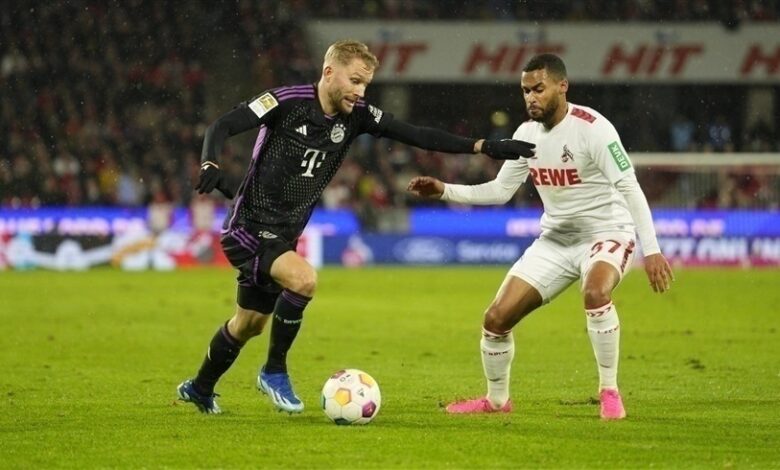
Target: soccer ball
(351,396)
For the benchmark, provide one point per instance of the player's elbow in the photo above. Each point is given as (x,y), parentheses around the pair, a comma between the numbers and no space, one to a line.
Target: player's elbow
(211,131)
(219,128)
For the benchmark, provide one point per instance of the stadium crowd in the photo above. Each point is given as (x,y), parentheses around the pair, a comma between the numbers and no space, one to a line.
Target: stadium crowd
(730,12)
(115,120)
(119,118)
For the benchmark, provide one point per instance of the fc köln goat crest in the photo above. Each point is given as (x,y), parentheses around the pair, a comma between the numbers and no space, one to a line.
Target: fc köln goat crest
(567,155)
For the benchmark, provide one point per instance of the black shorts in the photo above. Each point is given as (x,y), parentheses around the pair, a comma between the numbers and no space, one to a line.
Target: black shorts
(253,254)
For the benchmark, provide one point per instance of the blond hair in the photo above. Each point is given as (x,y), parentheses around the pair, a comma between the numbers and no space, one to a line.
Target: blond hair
(346,50)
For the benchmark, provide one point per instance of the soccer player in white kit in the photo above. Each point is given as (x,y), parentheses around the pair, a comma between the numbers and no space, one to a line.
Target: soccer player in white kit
(593,207)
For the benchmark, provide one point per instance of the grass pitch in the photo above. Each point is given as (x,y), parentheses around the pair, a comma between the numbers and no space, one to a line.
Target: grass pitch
(90,362)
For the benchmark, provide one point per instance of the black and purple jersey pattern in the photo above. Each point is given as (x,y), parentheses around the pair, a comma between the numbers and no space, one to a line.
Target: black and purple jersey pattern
(297,152)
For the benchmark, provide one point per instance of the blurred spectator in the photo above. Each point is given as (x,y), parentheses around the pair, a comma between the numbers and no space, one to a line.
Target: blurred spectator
(502,127)
(760,138)
(719,135)
(681,134)
(119,118)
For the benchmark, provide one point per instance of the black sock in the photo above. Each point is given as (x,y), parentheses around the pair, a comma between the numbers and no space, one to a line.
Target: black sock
(288,315)
(223,350)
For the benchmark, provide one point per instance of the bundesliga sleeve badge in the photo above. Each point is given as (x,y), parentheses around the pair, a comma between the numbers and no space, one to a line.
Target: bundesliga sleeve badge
(262,104)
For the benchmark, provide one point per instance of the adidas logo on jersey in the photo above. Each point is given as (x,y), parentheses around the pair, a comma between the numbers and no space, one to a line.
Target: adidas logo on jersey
(301,130)
(376,112)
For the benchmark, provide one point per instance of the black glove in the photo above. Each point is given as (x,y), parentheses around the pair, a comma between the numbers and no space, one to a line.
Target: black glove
(210,178)
(508,149)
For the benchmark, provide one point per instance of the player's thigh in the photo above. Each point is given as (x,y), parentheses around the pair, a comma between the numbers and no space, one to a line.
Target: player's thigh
(515,299)
(253,258)
(293,272)
(547,266)
(239,246)
(605,259)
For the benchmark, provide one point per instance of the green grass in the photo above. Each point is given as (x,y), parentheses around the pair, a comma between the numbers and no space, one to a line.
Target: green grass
(90,362)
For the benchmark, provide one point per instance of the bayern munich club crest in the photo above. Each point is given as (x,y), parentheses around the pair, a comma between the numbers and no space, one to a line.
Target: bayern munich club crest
(567,155)
(337,133)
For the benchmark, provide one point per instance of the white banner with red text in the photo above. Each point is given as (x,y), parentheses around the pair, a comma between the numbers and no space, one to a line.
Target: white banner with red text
(496,52)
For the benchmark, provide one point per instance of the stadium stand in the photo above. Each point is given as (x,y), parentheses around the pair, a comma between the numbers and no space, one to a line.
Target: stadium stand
(118,119)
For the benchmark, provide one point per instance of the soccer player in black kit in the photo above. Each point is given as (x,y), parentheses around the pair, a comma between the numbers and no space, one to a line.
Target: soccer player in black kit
(305,132)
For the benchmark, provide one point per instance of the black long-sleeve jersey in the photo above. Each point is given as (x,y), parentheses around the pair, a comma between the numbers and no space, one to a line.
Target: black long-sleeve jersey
(298,150)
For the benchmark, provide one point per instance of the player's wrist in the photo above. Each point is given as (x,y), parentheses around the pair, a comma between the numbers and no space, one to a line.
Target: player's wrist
(478,145)
(444,190)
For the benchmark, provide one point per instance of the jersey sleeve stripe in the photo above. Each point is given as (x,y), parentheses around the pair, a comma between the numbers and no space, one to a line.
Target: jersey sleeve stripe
(295,96)
(292,88)
(292,92)
(295,92)
(582,114)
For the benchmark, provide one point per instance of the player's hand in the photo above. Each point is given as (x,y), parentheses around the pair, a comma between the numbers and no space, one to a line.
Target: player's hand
(426,186)
(211,178)
(508,149)
(658,272)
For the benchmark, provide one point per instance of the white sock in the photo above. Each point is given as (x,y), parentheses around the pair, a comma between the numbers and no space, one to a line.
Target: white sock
(498,350)
(604,332)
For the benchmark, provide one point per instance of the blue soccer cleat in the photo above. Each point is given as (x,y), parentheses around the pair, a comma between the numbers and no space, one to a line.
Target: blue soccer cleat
(279,390)
(205,403)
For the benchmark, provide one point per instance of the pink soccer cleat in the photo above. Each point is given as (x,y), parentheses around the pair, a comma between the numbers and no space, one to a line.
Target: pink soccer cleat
(611,405)
(477,405)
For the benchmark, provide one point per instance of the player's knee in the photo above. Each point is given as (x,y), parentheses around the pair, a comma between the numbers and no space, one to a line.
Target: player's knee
(496,321)
(596,296)
(304,282)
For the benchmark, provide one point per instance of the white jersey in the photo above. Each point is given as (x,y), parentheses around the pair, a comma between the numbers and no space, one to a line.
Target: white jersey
(575,170)
(577,166)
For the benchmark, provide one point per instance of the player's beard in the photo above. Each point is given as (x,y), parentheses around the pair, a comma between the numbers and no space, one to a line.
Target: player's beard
(337,99)
(547,113)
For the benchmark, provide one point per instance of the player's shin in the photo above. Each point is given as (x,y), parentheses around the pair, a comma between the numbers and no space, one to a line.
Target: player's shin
(288,316)
(498,350)
(604,332)
(223,351)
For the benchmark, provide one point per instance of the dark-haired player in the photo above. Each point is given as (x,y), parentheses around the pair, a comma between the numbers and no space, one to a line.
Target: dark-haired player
(593,207)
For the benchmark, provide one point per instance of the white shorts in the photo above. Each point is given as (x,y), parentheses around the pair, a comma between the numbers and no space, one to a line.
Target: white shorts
(550,265)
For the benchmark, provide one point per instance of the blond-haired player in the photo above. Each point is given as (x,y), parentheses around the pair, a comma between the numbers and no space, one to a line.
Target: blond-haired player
(304,134)
(593,207)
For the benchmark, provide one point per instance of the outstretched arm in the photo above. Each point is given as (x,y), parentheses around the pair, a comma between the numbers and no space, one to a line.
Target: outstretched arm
(441,141)
(497,191)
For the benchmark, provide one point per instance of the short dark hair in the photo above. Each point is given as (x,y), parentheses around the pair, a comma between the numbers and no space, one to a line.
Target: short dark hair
(551,62)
